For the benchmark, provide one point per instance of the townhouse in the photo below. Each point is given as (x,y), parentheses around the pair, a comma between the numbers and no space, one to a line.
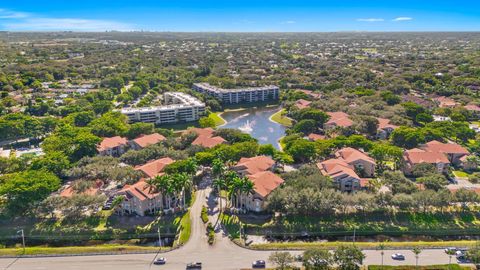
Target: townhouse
(113,146)
(345,168)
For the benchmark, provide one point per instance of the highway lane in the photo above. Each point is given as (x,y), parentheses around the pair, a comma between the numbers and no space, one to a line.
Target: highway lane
(223,255)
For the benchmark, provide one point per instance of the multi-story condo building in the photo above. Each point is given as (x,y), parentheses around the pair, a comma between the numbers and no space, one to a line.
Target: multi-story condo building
(179,107)
(239,95)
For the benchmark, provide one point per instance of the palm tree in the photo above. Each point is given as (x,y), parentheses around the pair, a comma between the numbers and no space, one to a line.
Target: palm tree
(381,247)
(218,167)
(181,182)
(164,185)
(246,187)
(417,252)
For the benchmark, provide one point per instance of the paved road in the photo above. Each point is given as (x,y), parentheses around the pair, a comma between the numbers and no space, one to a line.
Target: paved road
(223,255)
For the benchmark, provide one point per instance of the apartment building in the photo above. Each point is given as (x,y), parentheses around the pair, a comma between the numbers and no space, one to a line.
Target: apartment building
(239,95)
(179,107)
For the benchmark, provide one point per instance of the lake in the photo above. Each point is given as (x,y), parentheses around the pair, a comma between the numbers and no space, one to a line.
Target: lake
(255,121)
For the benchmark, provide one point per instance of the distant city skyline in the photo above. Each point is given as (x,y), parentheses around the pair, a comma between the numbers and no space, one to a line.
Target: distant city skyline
(240,16)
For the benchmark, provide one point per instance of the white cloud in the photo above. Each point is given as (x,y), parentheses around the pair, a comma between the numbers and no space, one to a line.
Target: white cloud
(21,21)
(370,20)
(289,22)
(401,19)
(8,14)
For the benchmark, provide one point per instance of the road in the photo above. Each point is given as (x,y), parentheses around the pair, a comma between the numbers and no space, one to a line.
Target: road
(223,255)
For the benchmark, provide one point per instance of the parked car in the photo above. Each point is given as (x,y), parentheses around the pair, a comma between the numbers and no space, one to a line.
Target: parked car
(160,261)
(298,257)
(259,264)
(194,265)
(398,256)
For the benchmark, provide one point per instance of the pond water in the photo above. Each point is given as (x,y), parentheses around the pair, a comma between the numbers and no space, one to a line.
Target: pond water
(256,122)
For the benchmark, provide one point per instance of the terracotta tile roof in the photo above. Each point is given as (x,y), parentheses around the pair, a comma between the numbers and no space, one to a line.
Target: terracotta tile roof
(310,93)
(340,119)
(448,148)
(315,137)
(336,167)
(472,107)
(255,164)
(207,141)
(111,143)
(351,155)
(141,190)
(385,123)
(146,140)
(302,103)
(155,167)
(417,156)
(207,132)
(69,191)
(445,101)
(265,182)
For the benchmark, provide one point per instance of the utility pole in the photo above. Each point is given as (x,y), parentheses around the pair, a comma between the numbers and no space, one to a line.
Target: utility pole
(354,230)
(159,238)
(23,239)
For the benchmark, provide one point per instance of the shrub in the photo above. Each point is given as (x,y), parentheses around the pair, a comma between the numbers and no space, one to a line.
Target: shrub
(204,214)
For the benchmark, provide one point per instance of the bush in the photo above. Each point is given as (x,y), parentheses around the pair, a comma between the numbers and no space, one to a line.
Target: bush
(210,233)
(204,214)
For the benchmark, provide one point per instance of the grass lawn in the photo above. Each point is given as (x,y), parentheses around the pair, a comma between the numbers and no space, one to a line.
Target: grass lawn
(461,174)
(217,118)
(368,245)
(75,250)
(231,224)
(420,267)
(282,120)
(185,228)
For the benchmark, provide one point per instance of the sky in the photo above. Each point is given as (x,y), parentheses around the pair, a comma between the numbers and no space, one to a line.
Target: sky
(240,16)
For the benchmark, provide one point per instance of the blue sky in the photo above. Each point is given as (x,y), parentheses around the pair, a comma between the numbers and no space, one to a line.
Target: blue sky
(244,16)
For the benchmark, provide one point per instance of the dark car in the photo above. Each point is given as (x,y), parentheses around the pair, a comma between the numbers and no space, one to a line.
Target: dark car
(258,264)
(194,265)
(160,261)
(398,256)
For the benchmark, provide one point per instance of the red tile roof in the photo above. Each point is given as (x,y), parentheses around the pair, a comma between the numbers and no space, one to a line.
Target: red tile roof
(265,182)
(350,155)
(207,132)
(141,190)
(146,140)
(256,164)
(207,141)
(302,103)
(385,123)
(340,119)
(315,137)
(417,156)
(155,167)
(448,148)
(336,167)
(472,107)
(111,143)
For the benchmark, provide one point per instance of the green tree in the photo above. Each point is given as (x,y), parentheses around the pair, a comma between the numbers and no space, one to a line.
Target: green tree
(281,259)
(301,150)
(348,257)
(109,125)
(25,189)
(316,259)
(140,128)
(205,122)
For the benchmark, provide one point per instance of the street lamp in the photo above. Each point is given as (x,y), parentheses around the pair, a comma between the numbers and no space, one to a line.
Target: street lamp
(159,238)
(23,239)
